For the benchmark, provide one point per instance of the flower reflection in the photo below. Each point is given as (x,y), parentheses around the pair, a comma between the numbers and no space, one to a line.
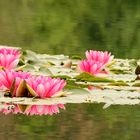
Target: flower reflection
(31,109)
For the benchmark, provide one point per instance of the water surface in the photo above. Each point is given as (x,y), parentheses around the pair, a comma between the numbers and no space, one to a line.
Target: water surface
(71,27)
(78,121)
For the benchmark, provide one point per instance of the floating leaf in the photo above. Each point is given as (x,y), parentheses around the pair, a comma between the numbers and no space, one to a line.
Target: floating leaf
(133,62)
(136,84)
(61,94)
(119,71)
(51,63)
(90,78)
(76,57)
(119,83)
(72,85)
(65,77)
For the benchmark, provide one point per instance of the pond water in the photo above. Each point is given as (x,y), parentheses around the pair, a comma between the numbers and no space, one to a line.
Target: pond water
(78,121)
(55,27)
(71,27)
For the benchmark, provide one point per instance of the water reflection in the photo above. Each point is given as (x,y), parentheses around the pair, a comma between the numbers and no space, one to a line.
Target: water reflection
(8,108)
(78,122)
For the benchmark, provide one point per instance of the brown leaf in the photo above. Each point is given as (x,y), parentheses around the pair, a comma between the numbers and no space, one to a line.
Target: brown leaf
(22,89)
(137,71)
(12,88)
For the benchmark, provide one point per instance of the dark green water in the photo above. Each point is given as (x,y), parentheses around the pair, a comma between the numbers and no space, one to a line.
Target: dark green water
(71,27)
(78,122)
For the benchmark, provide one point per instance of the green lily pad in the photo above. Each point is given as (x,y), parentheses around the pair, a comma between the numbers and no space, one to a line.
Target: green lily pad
(136,85)
(76,57)
(65,77)
(72,85)
(90,78)
(119,71)
(119,83)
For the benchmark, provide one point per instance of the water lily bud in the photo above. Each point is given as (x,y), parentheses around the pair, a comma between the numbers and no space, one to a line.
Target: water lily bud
(68,64)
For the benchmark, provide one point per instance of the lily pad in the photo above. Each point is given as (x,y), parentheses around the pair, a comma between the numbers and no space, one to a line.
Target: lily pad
(90,78)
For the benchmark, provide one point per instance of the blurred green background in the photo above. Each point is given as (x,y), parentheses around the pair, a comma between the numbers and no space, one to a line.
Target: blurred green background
(72,26)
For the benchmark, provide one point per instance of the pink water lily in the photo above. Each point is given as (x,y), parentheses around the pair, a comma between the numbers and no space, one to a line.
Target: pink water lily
(99,56)
(91,67)
(9,58)
(31,109)
(7,77)
(42,86)
(46,87)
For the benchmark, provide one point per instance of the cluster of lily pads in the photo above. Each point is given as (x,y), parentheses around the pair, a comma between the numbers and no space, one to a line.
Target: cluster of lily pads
(25,84)
(27,74)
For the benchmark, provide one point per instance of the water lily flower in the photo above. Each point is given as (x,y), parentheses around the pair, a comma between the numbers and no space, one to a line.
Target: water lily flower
(91,67)
(9,58)
(7,78)
(26,84)
(99,56)
(45,87)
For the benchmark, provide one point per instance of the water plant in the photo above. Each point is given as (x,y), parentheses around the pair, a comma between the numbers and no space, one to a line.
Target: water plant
(9,58)
(96,62)
(33,81)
